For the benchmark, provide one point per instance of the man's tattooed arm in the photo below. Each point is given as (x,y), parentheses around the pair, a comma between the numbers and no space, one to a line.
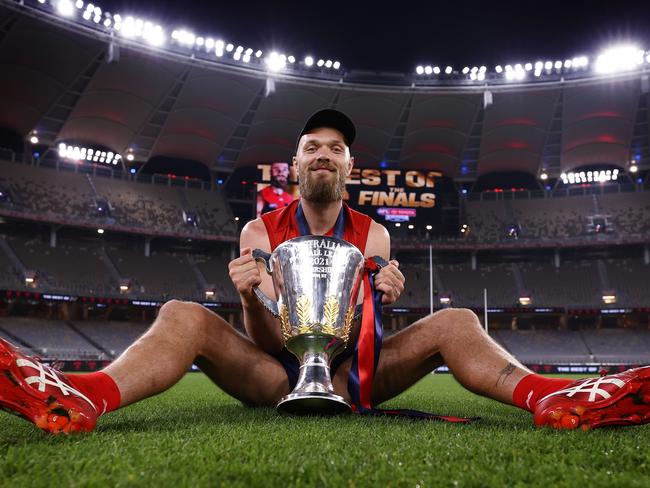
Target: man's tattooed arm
(504,374)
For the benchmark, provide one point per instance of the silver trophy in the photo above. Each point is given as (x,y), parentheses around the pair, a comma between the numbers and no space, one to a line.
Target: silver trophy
(316,280)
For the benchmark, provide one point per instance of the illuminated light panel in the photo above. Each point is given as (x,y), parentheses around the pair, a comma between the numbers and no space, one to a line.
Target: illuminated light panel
(79,154)
(609,298)
(619,58)
(597,176)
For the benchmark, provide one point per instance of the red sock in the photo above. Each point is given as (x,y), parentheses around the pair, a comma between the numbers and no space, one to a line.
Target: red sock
(99,388)
(533,387)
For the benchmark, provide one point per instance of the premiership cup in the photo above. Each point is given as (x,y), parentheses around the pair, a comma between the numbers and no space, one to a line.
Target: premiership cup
(316,281)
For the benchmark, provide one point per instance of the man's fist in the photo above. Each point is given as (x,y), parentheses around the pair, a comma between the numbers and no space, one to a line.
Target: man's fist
(244,273)
(390,281)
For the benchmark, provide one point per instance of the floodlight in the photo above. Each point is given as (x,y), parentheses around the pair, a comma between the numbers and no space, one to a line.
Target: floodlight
(448,70)
(229,47)
(465,70)
(474,69)
(482,69)
(543,176)
(548,65)
(428,70)
(33,139)
(508,68)
(538,65)
(616,59)
(524,300)
(236,56)
(79,4)
(107,22)
(518,67)
(510,75)
(209,43)
(445,299)
(537,73)
(130,157)
(429,227)
(481,76)
(397,224)
(498,68)
(309,61)
(634,168)
(328,63)
(86,15)
(436,70)
(258,53)
(419,70)
(246,58)
(117,18)
(275,62)
(472,76)
(568,63)
(320,63)
(100,231)
(336,65)
(528,66)
(200,41)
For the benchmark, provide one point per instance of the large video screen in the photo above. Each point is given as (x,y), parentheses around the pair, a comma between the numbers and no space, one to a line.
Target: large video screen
(386,195)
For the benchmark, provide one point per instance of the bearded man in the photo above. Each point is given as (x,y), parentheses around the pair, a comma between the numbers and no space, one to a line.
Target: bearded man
(275,195)
(258,370)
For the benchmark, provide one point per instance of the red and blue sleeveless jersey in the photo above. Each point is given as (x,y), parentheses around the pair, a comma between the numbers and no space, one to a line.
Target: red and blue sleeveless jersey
(281,225)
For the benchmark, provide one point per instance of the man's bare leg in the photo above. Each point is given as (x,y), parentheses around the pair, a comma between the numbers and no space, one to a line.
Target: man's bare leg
(453,337)
(186,333)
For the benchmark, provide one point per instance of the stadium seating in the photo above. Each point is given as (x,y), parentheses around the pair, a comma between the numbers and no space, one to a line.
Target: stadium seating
(137,205)
(49,338)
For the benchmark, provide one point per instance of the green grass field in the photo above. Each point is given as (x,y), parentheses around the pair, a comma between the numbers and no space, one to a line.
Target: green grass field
(195,435)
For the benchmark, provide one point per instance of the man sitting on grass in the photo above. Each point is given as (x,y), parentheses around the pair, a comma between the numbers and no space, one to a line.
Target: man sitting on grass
(258,370)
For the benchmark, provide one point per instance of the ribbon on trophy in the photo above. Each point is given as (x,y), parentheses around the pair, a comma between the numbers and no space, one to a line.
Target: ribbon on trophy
(366,355)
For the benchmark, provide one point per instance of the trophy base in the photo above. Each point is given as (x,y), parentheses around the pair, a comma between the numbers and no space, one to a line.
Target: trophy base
(313,404)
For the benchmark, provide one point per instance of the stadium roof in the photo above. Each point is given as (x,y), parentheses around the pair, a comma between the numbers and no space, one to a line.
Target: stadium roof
(57,81)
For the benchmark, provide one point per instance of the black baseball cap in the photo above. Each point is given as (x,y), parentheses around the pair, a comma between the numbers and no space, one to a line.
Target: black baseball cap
(331,118)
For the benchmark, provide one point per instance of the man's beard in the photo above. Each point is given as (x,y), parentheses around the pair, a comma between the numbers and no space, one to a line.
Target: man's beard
(275,182)
(321,192)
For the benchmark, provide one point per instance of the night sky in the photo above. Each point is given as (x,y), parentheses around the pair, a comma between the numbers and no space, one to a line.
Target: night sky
(364,36)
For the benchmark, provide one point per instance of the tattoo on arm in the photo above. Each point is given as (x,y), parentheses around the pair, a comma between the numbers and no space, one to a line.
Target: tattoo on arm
(504,374)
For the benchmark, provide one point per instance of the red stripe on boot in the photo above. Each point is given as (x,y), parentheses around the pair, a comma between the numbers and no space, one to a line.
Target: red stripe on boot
(99,388)
(533,387)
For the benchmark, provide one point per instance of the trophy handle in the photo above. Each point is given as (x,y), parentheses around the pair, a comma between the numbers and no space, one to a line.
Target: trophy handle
(264,257)
(269,304)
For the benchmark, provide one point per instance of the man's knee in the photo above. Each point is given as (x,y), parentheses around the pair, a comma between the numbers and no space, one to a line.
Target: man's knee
(455,320)
(188,319)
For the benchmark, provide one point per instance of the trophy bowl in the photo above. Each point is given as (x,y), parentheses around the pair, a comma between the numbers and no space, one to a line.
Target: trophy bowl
(316,281)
